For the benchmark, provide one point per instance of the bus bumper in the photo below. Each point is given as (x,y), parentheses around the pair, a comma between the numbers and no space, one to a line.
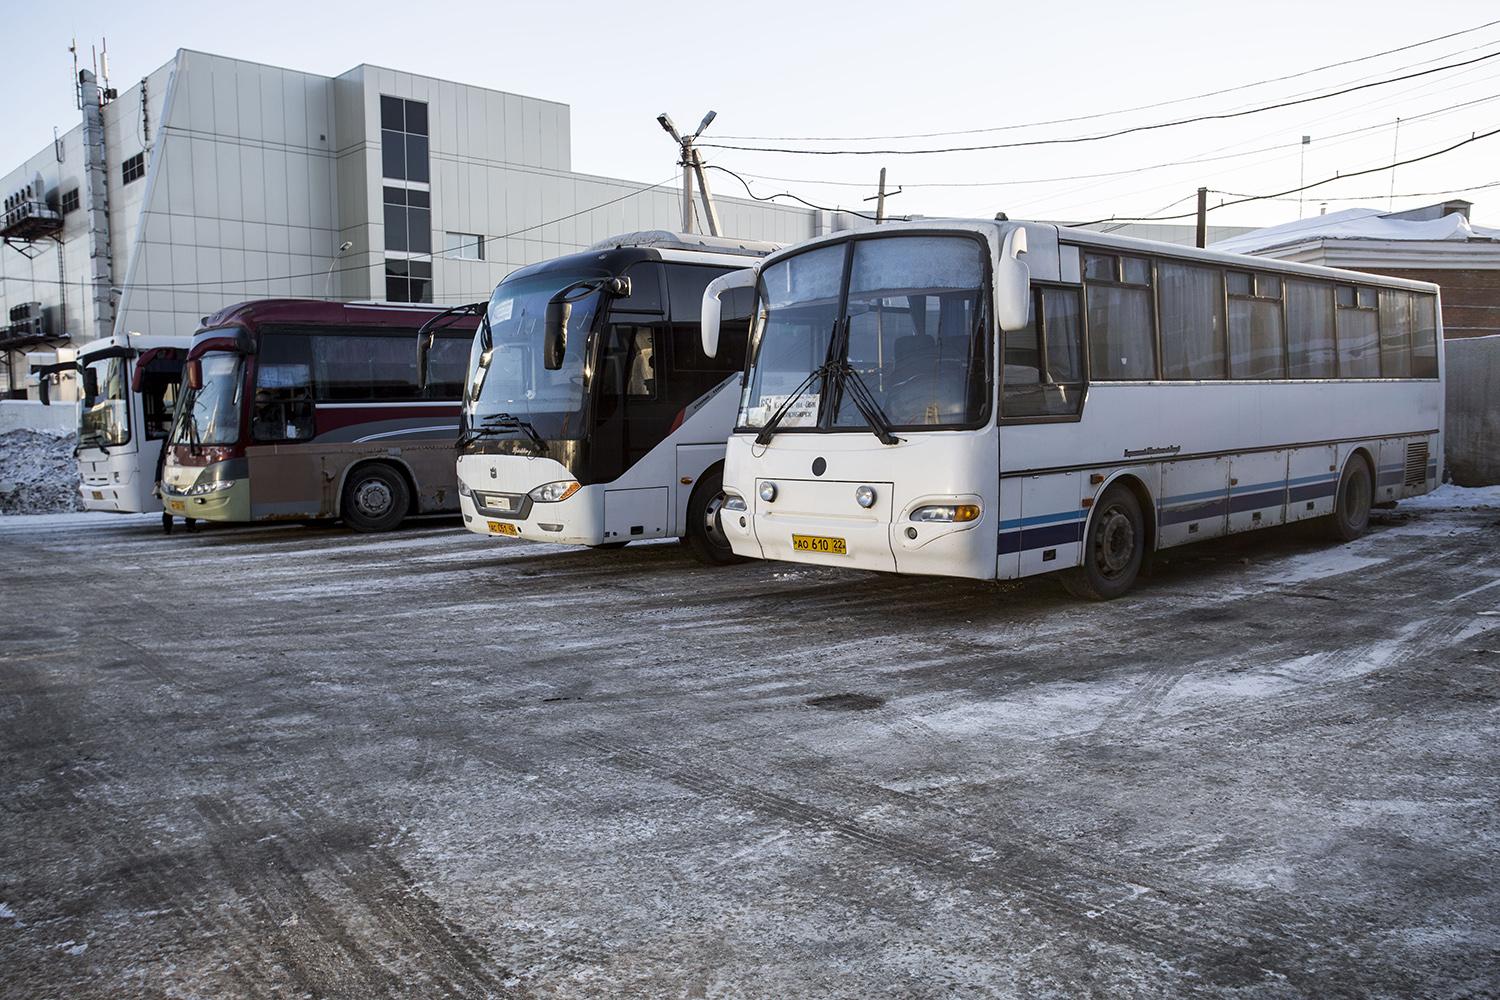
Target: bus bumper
(207,493)
(128,496)
(578,520)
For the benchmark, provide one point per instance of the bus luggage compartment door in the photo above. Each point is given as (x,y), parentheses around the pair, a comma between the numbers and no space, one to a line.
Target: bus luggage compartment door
(633,514)
(1195,500)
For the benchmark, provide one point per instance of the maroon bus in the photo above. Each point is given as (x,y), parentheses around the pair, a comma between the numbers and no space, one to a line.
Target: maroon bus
(300,410)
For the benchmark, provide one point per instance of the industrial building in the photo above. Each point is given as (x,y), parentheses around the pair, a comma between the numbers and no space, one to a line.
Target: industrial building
(214,180)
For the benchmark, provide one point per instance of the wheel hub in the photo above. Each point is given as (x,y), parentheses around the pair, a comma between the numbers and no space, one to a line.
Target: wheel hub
(1115,542)
(372,498)
(712,527)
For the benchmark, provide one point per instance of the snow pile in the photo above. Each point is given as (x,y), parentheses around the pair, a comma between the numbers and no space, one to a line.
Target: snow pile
(38,473)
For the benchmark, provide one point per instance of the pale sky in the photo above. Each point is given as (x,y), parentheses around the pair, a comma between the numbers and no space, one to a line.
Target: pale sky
(772,68)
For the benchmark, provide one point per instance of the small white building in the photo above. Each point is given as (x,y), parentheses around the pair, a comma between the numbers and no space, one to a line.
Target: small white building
(213,180)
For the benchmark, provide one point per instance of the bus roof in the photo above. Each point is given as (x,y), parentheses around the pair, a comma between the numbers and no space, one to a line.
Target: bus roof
(320,313)
(996,228)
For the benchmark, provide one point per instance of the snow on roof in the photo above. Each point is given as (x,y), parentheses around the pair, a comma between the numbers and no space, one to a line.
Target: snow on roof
(1359,224)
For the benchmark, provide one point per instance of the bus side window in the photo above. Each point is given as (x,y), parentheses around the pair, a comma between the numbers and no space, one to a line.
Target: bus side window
(283,390)
(1042,365)
(159,388)
(685,284)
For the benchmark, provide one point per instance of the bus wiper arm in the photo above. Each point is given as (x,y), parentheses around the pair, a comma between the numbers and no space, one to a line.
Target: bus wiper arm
(768,430)
(506,422)
(864,400)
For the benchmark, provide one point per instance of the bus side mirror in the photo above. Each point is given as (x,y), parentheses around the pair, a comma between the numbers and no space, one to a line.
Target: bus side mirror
(193,372)
(44,389)
(1013,284)
(424,345)
(713,305)
(138,376)
(555,332)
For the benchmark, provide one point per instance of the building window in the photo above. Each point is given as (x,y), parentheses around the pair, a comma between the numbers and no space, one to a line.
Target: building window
(463,246)
(408,220)
(69,201)
(134,168)
(403,139)
(408,280)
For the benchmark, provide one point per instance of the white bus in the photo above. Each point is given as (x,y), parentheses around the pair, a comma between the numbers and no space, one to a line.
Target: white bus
(127,391)
(997,399)
(592,415)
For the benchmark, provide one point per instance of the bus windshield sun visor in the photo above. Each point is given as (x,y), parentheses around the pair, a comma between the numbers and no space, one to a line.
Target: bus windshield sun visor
(560,310)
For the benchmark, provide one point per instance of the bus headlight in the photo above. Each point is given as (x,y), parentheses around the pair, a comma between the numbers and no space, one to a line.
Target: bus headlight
(198,489)
(865,497)
(947,513)
(768,492)
(735,503)
(463,489)
(553,492)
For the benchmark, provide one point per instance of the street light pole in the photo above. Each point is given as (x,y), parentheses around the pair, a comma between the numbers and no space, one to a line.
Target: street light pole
(344,248)
(692,166)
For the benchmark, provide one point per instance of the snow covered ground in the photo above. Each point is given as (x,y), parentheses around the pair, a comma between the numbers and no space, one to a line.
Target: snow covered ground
(38,473)
(289,761)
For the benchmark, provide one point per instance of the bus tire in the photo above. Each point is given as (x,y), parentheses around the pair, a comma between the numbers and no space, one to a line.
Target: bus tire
(705,536)
(1113,549)
(375,498)
(1351,505)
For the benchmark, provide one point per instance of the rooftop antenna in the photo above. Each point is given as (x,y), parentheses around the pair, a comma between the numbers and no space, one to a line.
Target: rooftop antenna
(692,167)
(77,89)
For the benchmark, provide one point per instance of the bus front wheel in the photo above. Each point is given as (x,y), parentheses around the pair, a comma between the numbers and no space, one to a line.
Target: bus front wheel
(1113,549)
(1351,508)
(705,536)
(375,498)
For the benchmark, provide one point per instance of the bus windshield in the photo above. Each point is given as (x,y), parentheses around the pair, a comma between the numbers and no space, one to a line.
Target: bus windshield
(211,415)
(516,382)
(104,416)
(908,321)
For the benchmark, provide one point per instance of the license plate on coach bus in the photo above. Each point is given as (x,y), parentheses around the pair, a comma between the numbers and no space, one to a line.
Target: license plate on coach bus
(819,543)
(502,528)
(178,505)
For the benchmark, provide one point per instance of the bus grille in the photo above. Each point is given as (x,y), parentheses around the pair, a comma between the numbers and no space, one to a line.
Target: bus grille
(1416,464)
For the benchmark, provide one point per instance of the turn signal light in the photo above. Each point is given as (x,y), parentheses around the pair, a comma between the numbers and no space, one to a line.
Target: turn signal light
(947,513)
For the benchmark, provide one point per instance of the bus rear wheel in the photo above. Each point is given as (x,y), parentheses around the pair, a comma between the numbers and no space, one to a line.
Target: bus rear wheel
(1351,507)
(705,536)
(375,498)
(1113,549)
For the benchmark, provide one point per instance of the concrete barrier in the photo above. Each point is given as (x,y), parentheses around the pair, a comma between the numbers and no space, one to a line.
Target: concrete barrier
(1472,434)
(30,415)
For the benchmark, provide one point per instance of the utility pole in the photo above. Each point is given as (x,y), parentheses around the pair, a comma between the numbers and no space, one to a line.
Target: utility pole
(1302,173)
(692,167)
(880,196)
(1202,217)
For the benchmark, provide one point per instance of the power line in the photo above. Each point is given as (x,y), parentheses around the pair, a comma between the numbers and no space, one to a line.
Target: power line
(1365,197)
(1110,114)
(1323,140)
(1305,187)
(1071,140)
(788,194)
(429,255)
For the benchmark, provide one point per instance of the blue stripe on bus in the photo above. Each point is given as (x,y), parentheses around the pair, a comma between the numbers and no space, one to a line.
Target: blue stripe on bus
(1043,537)
(1064,527)
(1025,522)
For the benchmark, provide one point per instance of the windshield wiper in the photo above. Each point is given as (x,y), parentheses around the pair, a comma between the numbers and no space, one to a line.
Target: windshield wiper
(506,421)
(850,381)
(503,423)
(768,429)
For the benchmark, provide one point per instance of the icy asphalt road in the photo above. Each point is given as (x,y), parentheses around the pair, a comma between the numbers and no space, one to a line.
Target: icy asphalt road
(299,762)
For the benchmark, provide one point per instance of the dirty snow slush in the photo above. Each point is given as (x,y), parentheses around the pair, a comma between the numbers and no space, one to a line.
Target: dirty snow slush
(297,761)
